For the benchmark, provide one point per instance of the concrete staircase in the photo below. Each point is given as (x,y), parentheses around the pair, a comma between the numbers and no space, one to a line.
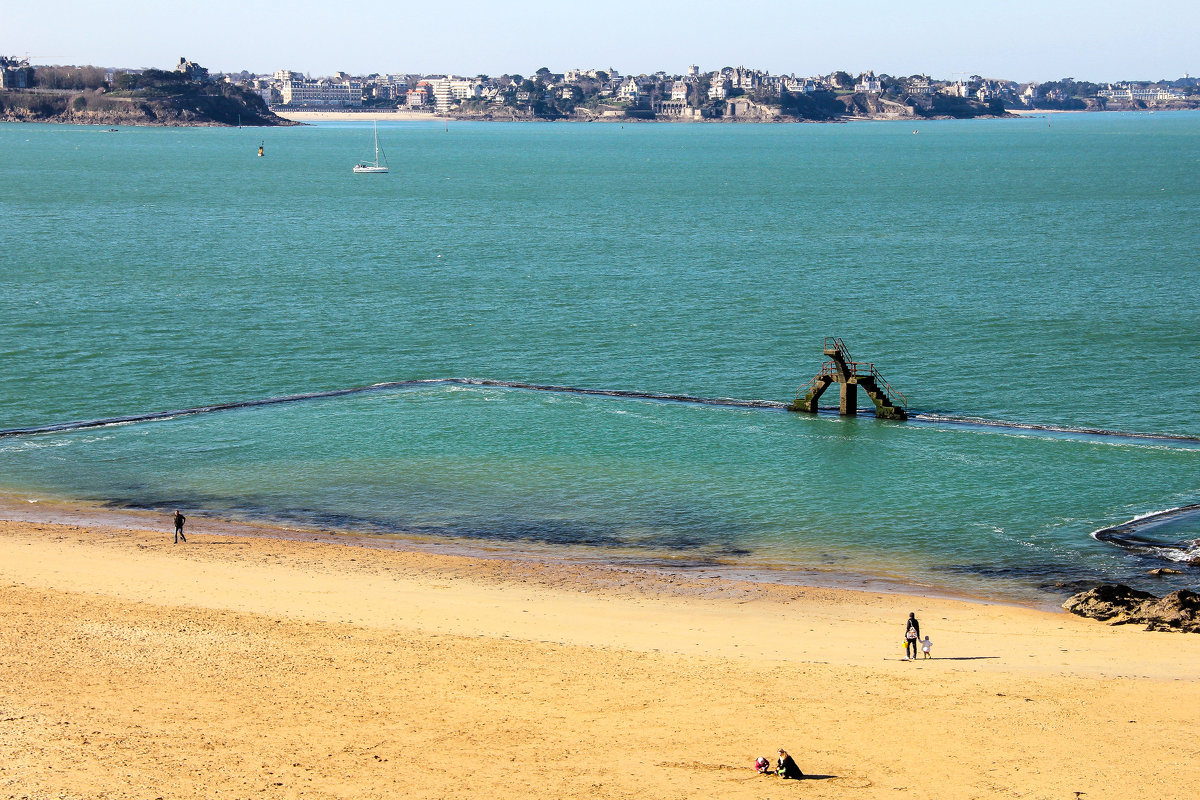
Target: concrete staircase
(850,374)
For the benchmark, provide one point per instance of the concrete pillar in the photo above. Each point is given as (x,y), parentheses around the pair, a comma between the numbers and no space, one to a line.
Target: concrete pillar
(848,407)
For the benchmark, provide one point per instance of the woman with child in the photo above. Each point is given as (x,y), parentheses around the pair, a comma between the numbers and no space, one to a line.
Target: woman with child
(912,632)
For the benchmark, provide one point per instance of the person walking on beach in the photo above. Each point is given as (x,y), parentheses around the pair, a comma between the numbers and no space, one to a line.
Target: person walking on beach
(912,632)
(179,520)
(926,646)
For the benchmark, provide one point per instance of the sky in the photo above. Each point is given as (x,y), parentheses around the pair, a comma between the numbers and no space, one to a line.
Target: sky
(1021,40)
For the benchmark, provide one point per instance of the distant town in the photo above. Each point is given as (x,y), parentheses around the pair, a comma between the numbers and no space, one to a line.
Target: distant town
(726,94)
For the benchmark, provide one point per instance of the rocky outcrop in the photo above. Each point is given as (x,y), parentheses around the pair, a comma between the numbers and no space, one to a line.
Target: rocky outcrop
(1118,604)
(1108,602)
(874,106)
(491,114)
(215,105)
(1109,104)
(742,109)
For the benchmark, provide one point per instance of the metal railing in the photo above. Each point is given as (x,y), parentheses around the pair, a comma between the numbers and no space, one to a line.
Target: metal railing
(857,369)
(808,388)
(836,343)
(893,395)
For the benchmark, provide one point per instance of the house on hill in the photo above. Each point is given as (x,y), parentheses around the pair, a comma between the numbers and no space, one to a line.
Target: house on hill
(869,83)
(918,86)
(192,71)
(15,73)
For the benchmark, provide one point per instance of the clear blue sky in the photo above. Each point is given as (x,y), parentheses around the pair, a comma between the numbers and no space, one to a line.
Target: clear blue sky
(1022,40)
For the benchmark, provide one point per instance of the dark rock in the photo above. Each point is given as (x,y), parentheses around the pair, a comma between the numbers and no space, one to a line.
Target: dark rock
(1160,571)
(1118,604)
(1108,602)
(1178,611)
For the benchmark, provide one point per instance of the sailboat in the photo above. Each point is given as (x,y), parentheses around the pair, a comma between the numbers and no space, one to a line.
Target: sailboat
(373,166)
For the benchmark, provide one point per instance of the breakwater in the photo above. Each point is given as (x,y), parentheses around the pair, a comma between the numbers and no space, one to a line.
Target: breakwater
(918,417)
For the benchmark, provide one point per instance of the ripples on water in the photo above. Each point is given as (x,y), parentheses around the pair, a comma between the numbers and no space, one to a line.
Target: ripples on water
(993,270)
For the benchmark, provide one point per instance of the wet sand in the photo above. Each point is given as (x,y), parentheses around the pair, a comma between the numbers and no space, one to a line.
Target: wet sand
(278,668)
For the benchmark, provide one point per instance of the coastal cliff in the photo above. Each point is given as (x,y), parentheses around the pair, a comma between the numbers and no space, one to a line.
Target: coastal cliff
(82,96)
(91,108)
(815,107)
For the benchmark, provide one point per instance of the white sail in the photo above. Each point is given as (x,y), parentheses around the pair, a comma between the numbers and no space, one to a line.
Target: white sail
(373,167)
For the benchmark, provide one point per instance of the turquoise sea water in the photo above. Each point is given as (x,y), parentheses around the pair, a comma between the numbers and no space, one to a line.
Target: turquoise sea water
(997,270)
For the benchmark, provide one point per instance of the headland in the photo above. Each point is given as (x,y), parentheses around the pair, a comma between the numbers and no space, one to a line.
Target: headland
(185,96)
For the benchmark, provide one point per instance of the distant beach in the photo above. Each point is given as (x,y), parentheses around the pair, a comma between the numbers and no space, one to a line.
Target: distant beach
(346,116)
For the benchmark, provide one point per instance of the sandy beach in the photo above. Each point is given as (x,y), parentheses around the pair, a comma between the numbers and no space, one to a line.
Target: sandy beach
(353,116)
(238,666)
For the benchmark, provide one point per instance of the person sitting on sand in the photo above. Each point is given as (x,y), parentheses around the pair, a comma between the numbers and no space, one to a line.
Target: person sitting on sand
(763,765)
(926,646)
(179,519)
(786,768)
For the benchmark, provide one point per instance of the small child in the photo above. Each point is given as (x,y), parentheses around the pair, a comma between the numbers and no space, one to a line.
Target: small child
(926,646)
(762,765)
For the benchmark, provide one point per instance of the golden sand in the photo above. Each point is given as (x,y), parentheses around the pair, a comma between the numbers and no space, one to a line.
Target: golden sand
(351,116)
(256,667)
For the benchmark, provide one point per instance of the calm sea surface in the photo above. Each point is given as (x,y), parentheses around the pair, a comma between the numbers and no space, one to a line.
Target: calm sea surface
(1007,270)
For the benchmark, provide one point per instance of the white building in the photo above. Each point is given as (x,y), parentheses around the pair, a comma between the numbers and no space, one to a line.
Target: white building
(918,86)
(443,95)
(799,85)
(629,90)
(465,89)
(679,91)
(1125,91)
(718,89)
(321,93)
(869,83)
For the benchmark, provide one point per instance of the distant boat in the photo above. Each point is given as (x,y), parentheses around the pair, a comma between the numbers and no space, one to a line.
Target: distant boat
(373,167)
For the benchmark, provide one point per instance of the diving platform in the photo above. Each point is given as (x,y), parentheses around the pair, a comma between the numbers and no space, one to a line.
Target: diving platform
(849,374)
